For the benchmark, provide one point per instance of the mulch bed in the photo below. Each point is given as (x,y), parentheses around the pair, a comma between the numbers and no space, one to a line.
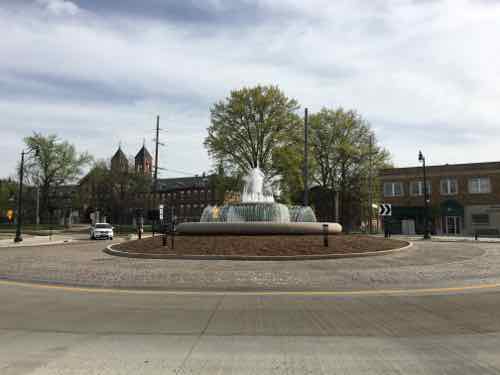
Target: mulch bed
(260,245)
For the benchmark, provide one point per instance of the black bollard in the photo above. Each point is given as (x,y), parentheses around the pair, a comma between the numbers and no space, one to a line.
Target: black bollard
(325,235)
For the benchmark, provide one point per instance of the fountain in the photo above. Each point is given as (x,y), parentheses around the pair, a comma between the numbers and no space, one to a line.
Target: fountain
(257,213)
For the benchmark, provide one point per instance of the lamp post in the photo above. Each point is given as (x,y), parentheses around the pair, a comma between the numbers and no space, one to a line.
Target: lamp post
(19,236)
(427,235)
(306,162)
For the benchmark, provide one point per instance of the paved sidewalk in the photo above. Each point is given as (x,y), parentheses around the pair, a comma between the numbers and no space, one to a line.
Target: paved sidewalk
(35,241)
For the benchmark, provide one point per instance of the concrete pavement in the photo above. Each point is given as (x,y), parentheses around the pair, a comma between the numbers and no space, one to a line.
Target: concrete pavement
(51,331)
(251,317)
(29,241)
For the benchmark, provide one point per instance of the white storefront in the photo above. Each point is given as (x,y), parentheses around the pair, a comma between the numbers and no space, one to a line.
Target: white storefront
(483,219)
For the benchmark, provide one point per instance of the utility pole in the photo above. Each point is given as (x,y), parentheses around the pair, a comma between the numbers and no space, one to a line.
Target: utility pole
(155,181)
(37,218)
(370,187)
(19,237)
(306,167)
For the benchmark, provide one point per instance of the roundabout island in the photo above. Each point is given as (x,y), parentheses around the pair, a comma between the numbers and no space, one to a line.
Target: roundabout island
(262,247)
(256,228)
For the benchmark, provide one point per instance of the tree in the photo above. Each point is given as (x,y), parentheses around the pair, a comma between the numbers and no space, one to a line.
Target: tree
(56,163)
(8,190)
(345,153)
(248,126)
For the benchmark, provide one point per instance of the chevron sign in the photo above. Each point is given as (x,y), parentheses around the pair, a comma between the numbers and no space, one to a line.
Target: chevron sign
(385,209)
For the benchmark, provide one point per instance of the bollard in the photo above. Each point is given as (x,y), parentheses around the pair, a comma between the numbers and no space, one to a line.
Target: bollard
(475,236)
(164,239)
(325,235)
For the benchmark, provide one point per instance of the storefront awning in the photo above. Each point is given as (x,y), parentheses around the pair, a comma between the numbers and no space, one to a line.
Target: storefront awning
(451,207)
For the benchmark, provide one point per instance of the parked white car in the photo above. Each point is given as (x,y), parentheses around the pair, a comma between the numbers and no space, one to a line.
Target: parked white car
(101,230)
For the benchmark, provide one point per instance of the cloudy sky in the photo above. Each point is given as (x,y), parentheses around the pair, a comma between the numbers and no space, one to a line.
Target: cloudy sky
(424,73)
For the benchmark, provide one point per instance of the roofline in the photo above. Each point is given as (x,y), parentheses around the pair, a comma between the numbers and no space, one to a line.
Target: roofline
(459,165)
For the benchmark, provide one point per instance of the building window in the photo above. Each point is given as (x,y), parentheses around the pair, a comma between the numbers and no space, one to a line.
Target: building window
(417,188)
(393,189)
(480,219)
(479,185)
(449,186)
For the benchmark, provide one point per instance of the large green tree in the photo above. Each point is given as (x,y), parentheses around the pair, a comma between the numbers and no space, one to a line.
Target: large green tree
(248,126)
(346,156)
(56,163)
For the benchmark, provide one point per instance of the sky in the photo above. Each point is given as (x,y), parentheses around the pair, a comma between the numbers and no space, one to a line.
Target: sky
(424,73)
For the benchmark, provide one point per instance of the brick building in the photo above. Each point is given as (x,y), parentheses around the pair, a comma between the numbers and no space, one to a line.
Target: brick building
(464,199)
(188,196)
(117,200)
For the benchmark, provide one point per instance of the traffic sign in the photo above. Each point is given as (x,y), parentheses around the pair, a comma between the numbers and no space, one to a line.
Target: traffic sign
(161,212)
(385,209)
(10,215)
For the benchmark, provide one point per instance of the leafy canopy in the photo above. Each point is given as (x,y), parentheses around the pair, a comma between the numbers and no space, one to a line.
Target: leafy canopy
(248,126)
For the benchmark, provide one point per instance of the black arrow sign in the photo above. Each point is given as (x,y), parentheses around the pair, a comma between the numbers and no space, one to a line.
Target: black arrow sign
(385,209)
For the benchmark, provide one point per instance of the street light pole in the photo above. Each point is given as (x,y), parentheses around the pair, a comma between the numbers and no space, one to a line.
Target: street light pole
(426,202)
(19,237)
(306,162)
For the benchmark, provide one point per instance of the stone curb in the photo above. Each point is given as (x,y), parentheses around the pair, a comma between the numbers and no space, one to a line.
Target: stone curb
(447,240)
(109,250)
(14,246)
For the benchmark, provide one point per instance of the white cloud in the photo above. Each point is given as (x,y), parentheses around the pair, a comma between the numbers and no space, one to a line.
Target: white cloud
(59,7)
(407,66)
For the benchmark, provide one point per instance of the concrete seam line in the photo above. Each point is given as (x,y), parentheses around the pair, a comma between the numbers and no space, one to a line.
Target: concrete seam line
(110,251)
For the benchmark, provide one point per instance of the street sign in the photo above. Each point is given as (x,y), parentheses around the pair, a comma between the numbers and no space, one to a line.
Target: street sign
(161,212)
(10,215)
(385,209)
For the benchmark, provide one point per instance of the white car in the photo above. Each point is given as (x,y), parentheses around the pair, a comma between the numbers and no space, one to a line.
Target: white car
(101,230)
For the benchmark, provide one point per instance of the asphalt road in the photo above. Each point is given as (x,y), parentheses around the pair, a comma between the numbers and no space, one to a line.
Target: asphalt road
(394,328)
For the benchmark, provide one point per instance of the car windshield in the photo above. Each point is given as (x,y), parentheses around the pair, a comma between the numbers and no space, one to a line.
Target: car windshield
(103,226)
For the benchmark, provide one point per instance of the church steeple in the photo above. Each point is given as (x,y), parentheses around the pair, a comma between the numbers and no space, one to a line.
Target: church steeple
(119,161)
(143,160)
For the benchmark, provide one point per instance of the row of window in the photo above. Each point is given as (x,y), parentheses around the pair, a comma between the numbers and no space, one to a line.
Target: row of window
(180,195)
(449,186)
(480,219)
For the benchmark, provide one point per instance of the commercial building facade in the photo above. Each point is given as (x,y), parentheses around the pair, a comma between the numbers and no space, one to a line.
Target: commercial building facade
(463,199)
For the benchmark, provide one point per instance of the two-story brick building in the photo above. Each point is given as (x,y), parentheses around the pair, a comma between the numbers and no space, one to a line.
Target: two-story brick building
(464,199)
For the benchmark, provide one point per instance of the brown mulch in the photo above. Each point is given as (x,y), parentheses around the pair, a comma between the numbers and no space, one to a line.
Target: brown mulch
(260,245)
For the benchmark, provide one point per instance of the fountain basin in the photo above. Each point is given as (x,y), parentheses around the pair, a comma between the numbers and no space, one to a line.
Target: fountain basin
(256,228)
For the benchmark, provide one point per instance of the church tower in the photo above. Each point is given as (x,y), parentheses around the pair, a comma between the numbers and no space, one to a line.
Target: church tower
(143,161)
(119,162)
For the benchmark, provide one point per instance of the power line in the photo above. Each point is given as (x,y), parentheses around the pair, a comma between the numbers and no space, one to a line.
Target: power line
(177,171)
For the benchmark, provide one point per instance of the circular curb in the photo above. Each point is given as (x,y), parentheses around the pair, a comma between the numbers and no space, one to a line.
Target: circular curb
(109,250)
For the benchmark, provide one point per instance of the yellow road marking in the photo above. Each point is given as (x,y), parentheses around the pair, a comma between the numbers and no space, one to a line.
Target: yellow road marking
(250,293)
